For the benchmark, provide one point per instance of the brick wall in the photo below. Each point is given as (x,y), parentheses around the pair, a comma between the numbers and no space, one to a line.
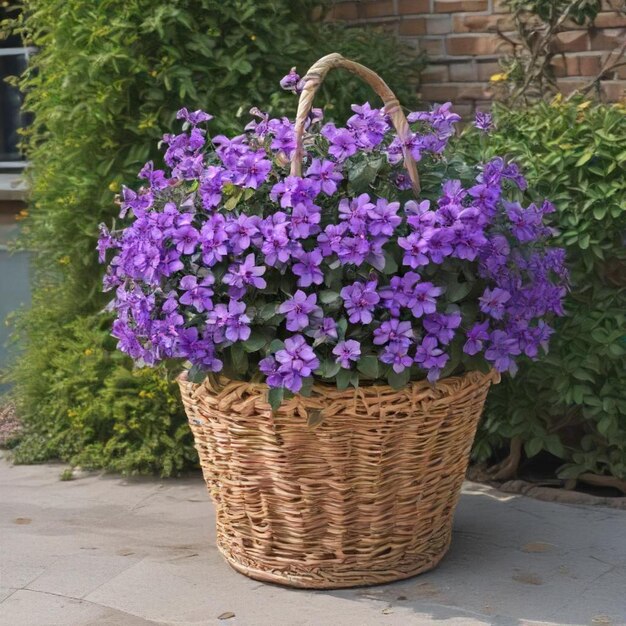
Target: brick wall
(460,37)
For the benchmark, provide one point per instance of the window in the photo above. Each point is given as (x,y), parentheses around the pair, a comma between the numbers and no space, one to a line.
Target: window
(13,60)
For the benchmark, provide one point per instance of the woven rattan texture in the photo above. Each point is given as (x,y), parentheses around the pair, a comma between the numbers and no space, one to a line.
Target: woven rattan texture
(366,497)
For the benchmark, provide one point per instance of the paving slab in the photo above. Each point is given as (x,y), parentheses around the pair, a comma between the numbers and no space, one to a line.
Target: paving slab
(112,551)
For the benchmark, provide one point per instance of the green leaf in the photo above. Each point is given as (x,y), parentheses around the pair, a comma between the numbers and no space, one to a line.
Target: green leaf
(328,368)
(343,378)
(239,358)
(276,345)
(255,342)
(369,366)
(398,381)
(327,296)
(196,374)
(275,397)
(314,417)
(534,446)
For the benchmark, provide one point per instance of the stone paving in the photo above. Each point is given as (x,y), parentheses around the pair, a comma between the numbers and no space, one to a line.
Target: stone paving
(103,550)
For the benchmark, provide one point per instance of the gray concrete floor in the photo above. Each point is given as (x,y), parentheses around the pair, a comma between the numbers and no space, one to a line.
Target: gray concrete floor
(103,550)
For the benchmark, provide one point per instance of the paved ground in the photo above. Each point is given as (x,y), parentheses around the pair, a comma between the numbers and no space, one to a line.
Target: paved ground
(108,551)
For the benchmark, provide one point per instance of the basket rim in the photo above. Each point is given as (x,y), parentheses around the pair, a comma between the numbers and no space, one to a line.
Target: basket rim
(326,392)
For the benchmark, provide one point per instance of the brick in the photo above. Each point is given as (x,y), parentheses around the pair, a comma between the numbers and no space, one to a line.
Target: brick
(589,65)
(475,45)
(414,26)
(438,93)
(347,11)
(486,69)
(435,74)
(606,38)
(572,41)
(378,8)
(439,25)
(466,111)
(567,85)
(565,66)
(454,6)
(482,23)
(434,47)
(614,90)
(413,7)
(610,19)
(463,72)
(499,6)
(472,91)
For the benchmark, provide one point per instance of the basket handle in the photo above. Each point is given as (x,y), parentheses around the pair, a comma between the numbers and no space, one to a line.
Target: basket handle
(312,81)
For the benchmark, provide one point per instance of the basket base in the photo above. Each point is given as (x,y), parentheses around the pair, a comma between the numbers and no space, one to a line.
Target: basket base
(336,575)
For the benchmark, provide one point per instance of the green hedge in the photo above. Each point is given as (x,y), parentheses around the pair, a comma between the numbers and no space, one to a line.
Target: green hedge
(572,403)
(105,84)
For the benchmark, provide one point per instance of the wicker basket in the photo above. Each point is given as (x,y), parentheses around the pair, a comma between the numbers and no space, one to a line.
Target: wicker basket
(366,497)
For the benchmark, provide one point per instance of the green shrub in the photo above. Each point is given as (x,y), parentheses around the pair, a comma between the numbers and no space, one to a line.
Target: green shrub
(105,84)
(572,403)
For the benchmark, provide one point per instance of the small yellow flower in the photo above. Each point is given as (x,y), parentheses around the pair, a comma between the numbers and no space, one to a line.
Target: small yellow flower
(584,105)
(88,352)
(114,186)
(556,100)
(253,37)
(498,78)
(64,260)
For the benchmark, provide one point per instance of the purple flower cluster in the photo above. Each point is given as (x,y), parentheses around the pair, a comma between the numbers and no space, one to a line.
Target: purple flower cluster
(224,254)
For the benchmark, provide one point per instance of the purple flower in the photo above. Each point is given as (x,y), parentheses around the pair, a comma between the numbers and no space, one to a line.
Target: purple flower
(197,294)
(476,335)
(298,309)
(396,355)
(500,350)
(186,238)
(252,169)
(213,238)
(230,322)
(240,232)
(384,217)
(493,300)
(304,221)
(325,175)
(393,330)
(483,121)
(525,222)
(194,118)
(269,366)
(294,190)
(442,326)
(437,243)
(308,268)
(347,351)
(326,331)
(296,362)
(430,357)
(368,125)
(360,300)
(423,299)
(341,140)
(290,81)
(331,239)
(355,212)
(210,188)
(242,275)
(413,246)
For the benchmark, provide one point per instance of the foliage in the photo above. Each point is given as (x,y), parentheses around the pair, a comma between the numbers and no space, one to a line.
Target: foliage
(105,83)
(95,411)
(233,263)
(572,403)
(528,73)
